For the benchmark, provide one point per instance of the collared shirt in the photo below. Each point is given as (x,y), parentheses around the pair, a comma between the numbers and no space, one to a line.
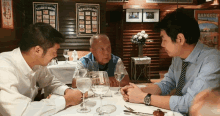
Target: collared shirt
(18,87)
(110,67)
(203,71)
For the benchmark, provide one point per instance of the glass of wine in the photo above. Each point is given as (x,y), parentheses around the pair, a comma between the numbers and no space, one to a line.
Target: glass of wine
(65,54)
(119,75)
(100,86)
(83,83)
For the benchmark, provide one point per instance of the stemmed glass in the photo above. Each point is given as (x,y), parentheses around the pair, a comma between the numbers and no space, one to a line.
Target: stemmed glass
(92,67)
(83,83)
(65,54)
(100,86)
(119,75)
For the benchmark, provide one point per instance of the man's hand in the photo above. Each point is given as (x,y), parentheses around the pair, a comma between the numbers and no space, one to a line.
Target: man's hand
(72,97)
(113,82)
(124,91)
(135,94)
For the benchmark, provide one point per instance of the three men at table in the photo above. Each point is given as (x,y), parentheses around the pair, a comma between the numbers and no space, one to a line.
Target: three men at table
(100,51)
(180,34)
(25,66)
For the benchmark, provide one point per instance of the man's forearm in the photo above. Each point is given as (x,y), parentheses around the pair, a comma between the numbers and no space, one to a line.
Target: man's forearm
(152,89)
(156,99)
(160,101)
(125,81)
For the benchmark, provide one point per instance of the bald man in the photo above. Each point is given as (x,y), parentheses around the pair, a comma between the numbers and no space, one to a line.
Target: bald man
(100,51)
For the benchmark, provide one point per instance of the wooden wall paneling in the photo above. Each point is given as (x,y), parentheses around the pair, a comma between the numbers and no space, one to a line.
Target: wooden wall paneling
(113,30)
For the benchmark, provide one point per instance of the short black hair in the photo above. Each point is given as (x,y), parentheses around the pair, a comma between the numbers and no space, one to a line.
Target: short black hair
(40,34)
(177,22)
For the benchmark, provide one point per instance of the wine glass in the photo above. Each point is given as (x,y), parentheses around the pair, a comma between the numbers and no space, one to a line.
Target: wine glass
(100,86)
(65,54)
(119,75)
(83,83)
(92,67)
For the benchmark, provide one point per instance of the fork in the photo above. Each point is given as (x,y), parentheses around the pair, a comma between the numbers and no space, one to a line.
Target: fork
(130,109)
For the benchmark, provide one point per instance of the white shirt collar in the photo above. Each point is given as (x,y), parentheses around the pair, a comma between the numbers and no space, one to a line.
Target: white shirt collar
(24,67)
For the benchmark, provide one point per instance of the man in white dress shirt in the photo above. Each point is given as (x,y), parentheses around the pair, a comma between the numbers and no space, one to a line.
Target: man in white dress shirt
(25,66)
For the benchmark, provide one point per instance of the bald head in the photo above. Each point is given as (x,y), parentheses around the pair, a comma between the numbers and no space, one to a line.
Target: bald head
(100,47)
(96,39)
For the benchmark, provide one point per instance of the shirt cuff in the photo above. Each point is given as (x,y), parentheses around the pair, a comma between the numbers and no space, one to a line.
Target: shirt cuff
(60,90)
(161,87)
(60,103)
(173,102)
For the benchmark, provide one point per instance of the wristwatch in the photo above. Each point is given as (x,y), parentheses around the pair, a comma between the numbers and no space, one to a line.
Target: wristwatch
(147,99)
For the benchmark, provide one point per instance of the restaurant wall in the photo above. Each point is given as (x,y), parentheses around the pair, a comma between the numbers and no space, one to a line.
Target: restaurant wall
(113,30)
(67,23)
(9,38)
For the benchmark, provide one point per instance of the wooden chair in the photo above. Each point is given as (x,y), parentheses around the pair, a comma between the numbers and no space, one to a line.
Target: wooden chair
(80,54)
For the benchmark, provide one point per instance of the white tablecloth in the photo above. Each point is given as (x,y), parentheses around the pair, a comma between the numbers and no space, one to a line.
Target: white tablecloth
(63,72)
(116,100)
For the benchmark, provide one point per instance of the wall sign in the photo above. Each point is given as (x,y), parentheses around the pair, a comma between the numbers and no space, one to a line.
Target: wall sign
(87,19)
(209,21)
(46,12)
(7,14)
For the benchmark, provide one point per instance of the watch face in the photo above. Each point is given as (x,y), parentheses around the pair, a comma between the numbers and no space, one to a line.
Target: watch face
(147,100)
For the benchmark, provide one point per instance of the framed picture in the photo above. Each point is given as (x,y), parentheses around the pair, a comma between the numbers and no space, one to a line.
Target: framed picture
(209,21)
(133,15)
(7,14)
(150,15)
(46,12)
(169,1)
(87,16)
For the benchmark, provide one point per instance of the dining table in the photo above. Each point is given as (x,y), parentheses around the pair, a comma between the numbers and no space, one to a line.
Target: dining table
(113,100)
(63,71)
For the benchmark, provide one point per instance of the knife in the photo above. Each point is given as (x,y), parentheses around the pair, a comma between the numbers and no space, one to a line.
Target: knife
(138,113)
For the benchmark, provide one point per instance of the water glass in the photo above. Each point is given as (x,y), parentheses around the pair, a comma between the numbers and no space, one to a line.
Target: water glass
(119,75)
(100,86)
(65,54)
(83,84)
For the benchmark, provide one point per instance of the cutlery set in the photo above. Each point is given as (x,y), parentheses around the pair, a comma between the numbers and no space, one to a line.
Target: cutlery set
(130,110)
